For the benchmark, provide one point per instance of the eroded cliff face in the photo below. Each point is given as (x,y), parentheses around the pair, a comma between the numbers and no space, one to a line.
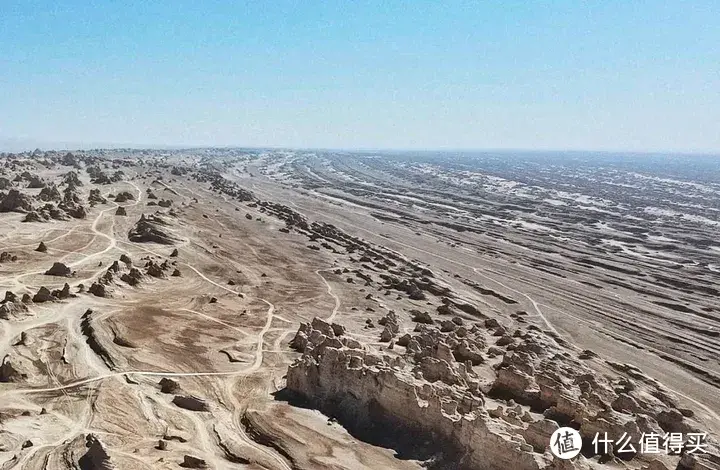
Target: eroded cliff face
(432,399)
(494,409)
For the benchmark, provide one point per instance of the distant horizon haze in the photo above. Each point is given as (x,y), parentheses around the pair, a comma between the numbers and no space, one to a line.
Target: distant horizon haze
(45,146)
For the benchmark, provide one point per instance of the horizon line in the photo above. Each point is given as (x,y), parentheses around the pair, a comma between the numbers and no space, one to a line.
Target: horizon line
(77,146)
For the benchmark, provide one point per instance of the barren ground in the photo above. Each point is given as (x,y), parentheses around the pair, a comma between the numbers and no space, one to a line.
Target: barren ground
(630,273)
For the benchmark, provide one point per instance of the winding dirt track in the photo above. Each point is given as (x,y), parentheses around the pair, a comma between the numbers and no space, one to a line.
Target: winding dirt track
(333,314)
(41,320)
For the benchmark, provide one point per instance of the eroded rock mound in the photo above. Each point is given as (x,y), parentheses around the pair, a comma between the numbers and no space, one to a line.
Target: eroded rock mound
(59,269)
(50,212)
(50,193)
(10,297)
(35,182)
(87,327)
(63,293)
(8,373)
(96,457)
(96,198)
(124,270)
(313,334)
(168,385)
(98,290)
(193,462)
(12,309)
(15,201)
(156,270)
(43,295)
(391,328)
(191,403)
(147,229)
(33,216)
(73,209)
(70,160)
(124,197)
(71,179)
(133,277)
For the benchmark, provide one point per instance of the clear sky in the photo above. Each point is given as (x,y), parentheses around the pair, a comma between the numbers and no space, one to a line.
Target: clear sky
(611,75)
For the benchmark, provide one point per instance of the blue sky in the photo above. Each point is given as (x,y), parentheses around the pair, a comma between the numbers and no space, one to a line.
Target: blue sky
(610,75)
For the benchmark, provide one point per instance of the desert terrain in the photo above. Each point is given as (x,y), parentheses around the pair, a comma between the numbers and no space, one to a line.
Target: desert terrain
(284,309)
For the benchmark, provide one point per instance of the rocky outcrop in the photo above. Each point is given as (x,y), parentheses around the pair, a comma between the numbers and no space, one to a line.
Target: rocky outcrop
(391,327)
(63,293)
(124,197)
(421,317)
(73,209)
(699,461)
(15,201)
(312,334)
(191,403)
(10,297)
(96,198)
(133,277)
(96,457)
(431,401)
(51,212)
(12,309)
(97,289)
(219,183)
(43,295)
(538,371)
(59,269)
(35,182)
(148,229)
(33,216)
(431,392)
(193,462)
(123,270)
(8,373)
(71,179)
(70,160)
(169,385)
(98,176)
(87,328)
(155,270)
(50,193)
(422,281)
